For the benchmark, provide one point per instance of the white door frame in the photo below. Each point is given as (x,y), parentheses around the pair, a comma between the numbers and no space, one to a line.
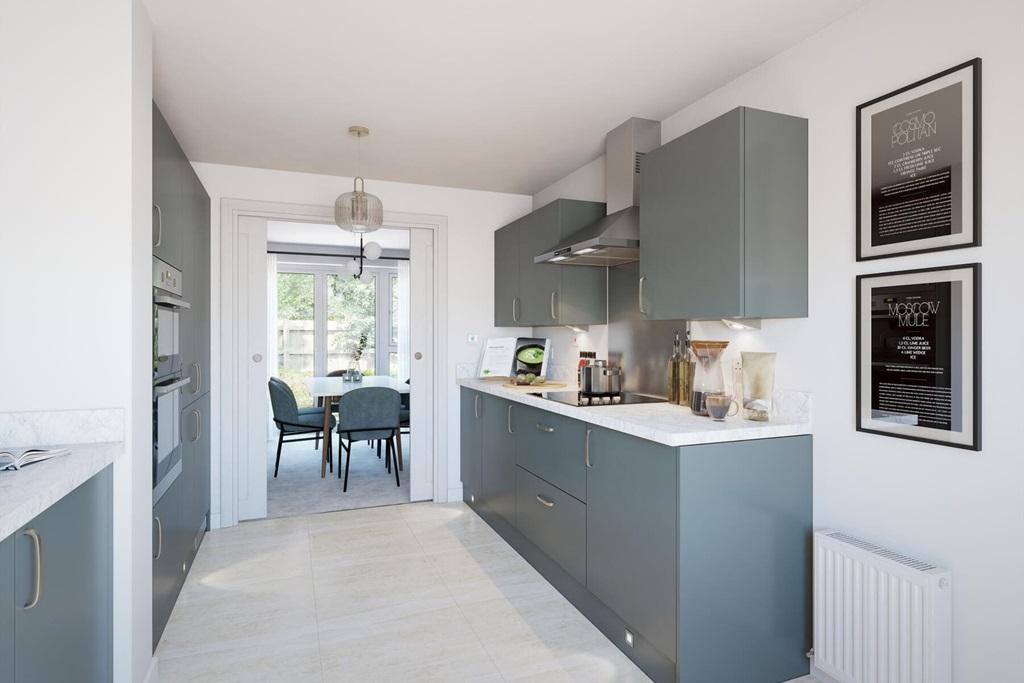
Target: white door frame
(225,459)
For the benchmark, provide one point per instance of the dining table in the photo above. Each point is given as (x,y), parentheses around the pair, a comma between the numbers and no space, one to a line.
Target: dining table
(331,388)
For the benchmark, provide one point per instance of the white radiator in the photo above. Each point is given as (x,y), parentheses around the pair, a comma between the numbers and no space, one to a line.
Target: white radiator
(879,616)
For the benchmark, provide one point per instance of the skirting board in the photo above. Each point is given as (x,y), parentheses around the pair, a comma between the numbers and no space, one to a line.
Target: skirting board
(820,676)
(153,673)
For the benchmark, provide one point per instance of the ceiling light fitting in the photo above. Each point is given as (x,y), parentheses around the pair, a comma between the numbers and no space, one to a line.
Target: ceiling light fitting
(742,323)
(358,211)
(371,251)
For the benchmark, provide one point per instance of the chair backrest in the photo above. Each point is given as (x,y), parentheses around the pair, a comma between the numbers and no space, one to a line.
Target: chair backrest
(282,401)
(369,413)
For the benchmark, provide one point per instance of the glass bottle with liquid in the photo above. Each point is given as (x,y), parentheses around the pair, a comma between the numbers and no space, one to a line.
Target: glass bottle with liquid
(708,377)
(675,366)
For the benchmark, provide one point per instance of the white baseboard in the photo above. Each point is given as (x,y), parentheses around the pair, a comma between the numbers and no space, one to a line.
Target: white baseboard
(821,676)
(153,674)
(454,494)
(214,520)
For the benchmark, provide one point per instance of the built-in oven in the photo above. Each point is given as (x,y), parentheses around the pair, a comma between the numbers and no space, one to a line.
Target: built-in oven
(166,434)
(167,379)
(167,308)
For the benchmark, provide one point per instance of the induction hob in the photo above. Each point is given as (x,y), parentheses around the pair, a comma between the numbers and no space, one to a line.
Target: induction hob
(575,398)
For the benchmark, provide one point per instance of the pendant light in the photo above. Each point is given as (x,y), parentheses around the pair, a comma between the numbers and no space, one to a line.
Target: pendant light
(358,211)
(371,251)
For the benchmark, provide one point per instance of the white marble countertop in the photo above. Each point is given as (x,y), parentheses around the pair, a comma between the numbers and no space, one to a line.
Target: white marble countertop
(663,423)
(28,492)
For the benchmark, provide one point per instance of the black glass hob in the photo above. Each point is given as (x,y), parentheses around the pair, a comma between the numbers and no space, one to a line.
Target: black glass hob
(575,398)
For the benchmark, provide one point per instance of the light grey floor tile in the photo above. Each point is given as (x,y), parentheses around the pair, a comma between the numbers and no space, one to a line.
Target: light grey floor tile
(295,659)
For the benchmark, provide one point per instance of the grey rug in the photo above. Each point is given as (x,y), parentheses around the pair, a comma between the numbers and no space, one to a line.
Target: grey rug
(299,490)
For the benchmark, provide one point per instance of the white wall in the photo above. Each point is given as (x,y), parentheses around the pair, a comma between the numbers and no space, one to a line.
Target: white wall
(75,164)
(959,509)
(473,216)
(585,183)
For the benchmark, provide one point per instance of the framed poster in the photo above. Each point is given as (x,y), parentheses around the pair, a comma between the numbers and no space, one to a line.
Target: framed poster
(918,355)
(919,166)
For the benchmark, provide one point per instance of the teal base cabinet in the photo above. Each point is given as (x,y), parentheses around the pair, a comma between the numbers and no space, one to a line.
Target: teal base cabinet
(698,555)
(56,591)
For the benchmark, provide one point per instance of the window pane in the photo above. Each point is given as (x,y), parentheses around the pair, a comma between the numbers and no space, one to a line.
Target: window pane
(351,324)
(394,310)
(393,364)
(295,332)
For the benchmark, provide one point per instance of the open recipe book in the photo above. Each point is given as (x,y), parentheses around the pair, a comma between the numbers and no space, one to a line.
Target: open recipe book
(16,460)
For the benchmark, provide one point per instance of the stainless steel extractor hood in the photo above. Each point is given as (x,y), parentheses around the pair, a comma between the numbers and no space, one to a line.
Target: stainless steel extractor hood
(615,239)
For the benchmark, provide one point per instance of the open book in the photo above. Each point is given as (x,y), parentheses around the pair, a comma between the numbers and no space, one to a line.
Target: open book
(15,461)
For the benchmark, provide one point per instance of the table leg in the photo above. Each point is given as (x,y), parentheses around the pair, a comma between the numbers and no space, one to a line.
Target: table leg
(327,435)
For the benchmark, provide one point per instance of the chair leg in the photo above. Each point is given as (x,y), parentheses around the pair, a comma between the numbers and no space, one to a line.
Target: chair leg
(378,449)
(330,450)
(342,450)
(348,459)
(397,480)
(280,441)
(387,456)
(316,442)
(398,439)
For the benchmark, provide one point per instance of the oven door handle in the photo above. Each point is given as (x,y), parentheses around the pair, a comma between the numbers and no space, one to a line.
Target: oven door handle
(171,301)
(164,389)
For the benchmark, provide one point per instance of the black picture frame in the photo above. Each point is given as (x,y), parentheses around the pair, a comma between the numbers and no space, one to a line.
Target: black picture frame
(974,358)
(974,66)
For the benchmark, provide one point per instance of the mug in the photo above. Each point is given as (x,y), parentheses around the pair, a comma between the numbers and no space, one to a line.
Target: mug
(719,406)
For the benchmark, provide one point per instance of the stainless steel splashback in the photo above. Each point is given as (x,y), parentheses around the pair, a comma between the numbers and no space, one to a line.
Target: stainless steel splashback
(641,347)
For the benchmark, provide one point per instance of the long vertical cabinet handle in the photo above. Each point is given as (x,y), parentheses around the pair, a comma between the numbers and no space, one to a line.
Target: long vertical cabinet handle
(476,406)
(37,588)
(159,538)
(586,449)
(640,296)
(515,309)
(159,225)
(554,315)
(199,425)
(198,387)
(508,419)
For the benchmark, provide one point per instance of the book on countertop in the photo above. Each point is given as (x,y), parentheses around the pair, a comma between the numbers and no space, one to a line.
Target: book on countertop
(16,461)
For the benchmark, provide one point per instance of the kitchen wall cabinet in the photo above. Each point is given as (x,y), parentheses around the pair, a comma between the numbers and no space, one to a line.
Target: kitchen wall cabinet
(68,634)
(498,457)
(529,294)
(631,532)
(195,322)
(723,220)
(169,194)
(699,552)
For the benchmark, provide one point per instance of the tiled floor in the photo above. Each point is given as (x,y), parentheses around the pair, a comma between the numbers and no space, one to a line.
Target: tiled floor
(416,592)
(299,490)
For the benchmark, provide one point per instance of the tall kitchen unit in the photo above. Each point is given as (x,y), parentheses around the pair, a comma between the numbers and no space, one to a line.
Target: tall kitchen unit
(181,246)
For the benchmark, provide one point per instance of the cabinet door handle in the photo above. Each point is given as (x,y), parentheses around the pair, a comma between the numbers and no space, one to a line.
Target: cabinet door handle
(159,225)
(159,538)
(546,502)
(199,425)
(199,379)
(37,588)
(545,428)
(515,309)
(640,295)
(586,450)
(508,419)
(476,406)
(554,316)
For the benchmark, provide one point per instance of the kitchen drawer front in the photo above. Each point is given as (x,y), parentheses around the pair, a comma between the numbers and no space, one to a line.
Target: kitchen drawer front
(551,446)
(554,521)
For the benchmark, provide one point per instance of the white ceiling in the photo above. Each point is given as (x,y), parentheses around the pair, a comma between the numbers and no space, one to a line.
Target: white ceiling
(329,235)
(506,95)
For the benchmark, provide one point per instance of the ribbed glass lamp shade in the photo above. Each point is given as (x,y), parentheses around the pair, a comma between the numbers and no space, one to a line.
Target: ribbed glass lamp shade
(358,211)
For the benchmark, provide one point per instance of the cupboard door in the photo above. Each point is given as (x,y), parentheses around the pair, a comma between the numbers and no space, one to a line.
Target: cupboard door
(67,572)
(498,458)
(506,276)
(7,610)
(554,521)
(195,439)
(583,290)
(469,447)
(168,555)
(632,532)
(168,194)
(538,282)
(551,446)
(691,224)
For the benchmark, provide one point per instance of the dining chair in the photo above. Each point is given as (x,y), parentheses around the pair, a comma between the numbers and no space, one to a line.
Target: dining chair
(295,422)
(368,414)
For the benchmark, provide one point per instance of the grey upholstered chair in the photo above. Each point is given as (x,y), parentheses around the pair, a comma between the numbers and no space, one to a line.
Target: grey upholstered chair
(295,422)
(368,414)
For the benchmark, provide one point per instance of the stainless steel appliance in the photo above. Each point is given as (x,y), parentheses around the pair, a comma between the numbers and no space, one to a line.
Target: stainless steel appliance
(596,377)
(575,398)
(167,379)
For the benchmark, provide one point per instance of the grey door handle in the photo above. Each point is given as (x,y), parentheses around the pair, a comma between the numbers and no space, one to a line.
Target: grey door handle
(159,225)
(37,587)
(640,295)
(199,378)
(508,419)
(476,406)
(199,425)
(418,356)
(545,428)
(159,538)
(515,309)
(586,450)
(257,357)
(546,502)
(554,316)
